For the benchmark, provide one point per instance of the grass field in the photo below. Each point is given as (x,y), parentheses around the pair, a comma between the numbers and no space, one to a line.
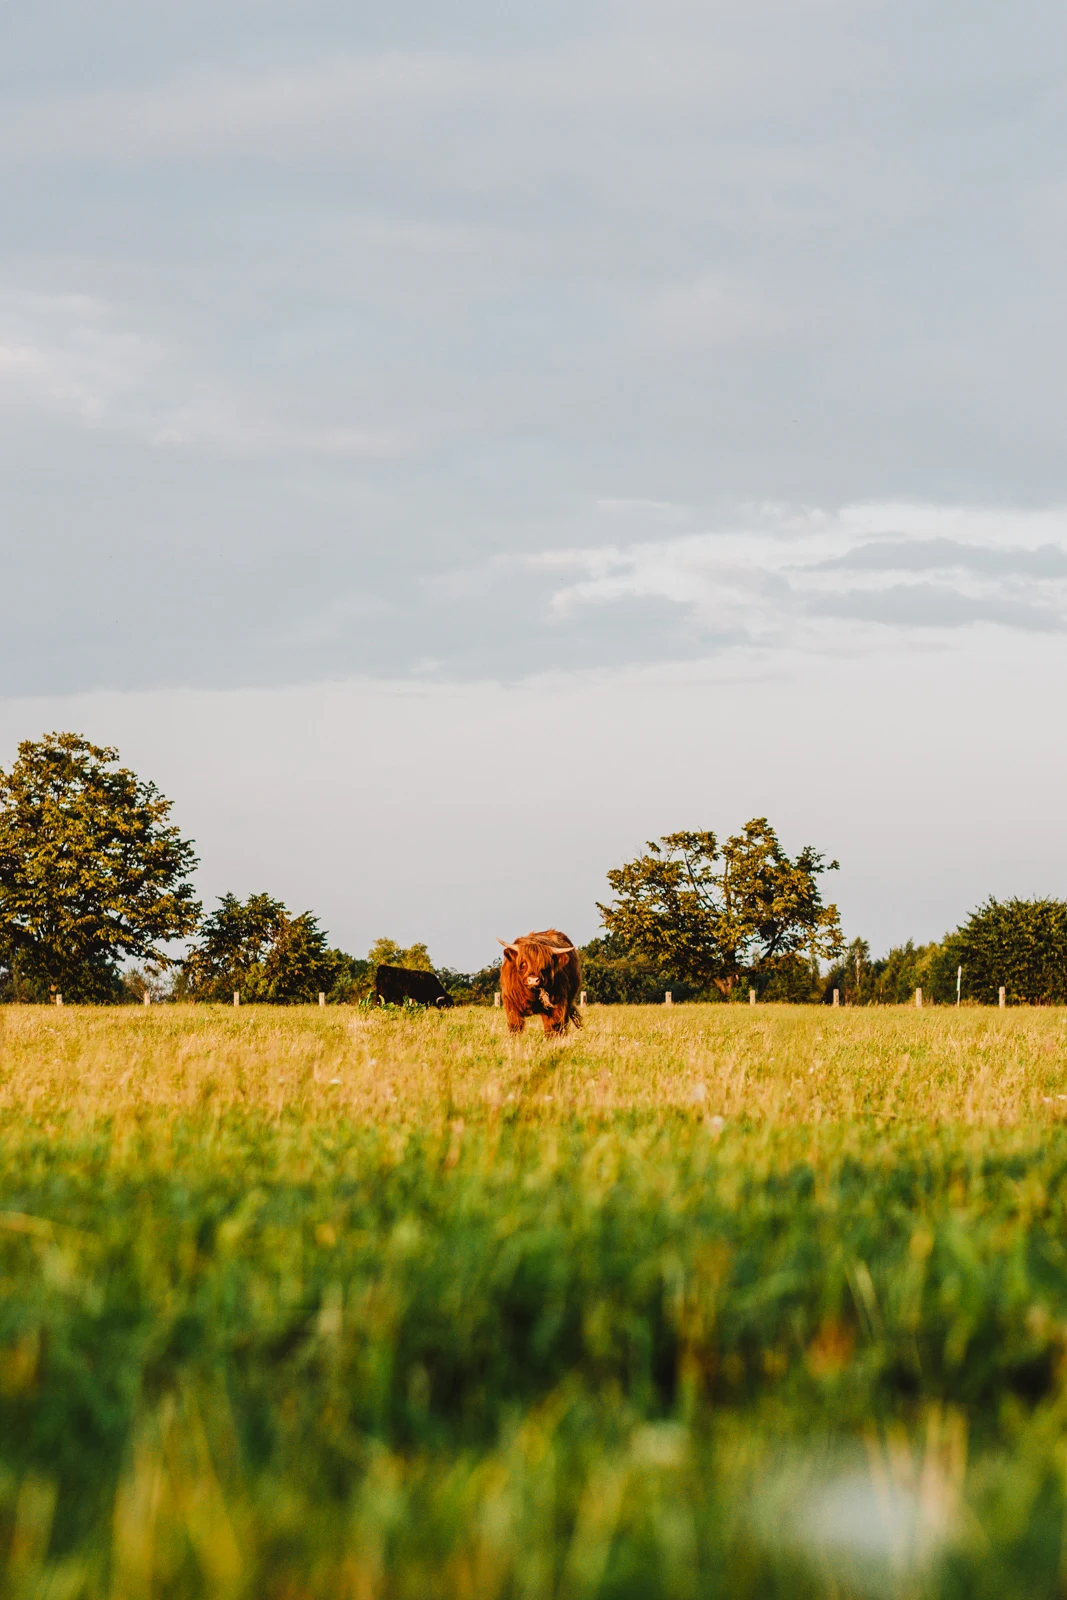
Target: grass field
(704,1301)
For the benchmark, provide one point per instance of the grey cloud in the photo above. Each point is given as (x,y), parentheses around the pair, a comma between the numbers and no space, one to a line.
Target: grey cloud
(927,555)
(323,310)
(930,605)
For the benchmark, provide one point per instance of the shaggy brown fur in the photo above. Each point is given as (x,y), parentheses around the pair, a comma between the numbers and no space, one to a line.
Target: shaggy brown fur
(537,979)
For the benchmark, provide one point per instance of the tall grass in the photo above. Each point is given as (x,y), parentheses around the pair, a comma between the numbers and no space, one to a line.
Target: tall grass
(705,1301)
(771,1065)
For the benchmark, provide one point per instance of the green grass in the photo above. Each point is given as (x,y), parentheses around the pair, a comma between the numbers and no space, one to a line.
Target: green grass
(702,1303)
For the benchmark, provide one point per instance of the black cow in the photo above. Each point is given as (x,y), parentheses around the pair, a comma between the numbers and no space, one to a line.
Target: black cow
(394,985)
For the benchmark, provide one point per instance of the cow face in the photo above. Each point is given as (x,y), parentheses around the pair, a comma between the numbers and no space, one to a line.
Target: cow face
(531,965)
(536,961)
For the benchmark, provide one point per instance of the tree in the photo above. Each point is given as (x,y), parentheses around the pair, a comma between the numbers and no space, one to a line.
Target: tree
(471,988)
(257,947)
(1020,944)
(712,914)
(353,979)
(92,872)
(612,974)
(793,979)
(387,953)
(892,979)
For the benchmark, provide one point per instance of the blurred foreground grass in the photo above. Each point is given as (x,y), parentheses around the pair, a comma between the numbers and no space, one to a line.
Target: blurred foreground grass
(706,1302)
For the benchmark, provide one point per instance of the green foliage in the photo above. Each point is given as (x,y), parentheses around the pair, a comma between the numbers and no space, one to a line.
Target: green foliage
(150,981)
(386,952)
(91,872)
(353,979)
(471,988)
(613,975)
(852,976)
(256,947)
(791,979)
(250,1357)
(1021,944)
(715,914)
(892,980)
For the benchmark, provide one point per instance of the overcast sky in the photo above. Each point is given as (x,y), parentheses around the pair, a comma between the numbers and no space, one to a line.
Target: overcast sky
(447,446)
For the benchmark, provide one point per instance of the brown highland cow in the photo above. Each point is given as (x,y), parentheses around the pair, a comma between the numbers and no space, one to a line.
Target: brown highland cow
(541,976)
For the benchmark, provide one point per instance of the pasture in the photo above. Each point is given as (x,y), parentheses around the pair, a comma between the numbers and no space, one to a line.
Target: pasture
(702,1301)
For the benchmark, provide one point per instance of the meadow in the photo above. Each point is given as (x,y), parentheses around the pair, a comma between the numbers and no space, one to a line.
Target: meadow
(702,1301)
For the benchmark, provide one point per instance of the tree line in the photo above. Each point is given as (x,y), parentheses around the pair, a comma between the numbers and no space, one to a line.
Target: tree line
(95,891)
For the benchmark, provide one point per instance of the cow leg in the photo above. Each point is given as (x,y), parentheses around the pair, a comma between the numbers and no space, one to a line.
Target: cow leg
(555,1021)
(516,1020)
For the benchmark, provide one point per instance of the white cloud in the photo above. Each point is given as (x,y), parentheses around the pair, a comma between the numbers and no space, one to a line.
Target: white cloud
(818,580)
(79,358)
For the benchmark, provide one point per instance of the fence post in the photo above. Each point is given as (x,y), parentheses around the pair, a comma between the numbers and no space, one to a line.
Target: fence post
(1003,997)
(581,998)
(237,997)
(837,997)
(322,998)
(147,998)
(59,999)
(668,998)
(752,997)
(496,998)
(919,998)
(959,983)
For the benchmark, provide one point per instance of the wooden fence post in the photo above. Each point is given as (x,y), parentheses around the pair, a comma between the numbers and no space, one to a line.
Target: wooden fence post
(668,998)
(322,998)
(919,998)
(237,997)
(496,998)
(147,998)
(1003,997)
(752,997)
(59,999)
(837,997)
(581,998)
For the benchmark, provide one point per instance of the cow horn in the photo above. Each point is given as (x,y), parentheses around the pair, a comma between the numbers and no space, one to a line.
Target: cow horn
(561,949)
(507,946)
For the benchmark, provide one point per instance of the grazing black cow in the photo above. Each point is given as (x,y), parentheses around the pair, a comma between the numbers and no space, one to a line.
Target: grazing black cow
(394,985)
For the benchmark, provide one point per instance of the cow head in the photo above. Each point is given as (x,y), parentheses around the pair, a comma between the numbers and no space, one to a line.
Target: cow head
(535,959)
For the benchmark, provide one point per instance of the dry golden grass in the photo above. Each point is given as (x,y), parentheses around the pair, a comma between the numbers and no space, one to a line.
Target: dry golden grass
(772,1065)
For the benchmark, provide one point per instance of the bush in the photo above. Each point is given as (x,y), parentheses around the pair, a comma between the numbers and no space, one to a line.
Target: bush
(1021,944)
(471,988)
(615,975)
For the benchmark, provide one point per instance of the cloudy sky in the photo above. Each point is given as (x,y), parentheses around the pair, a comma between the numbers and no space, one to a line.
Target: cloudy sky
(447,446)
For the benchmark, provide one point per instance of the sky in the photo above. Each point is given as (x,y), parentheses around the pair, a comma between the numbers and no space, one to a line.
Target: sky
(445,447)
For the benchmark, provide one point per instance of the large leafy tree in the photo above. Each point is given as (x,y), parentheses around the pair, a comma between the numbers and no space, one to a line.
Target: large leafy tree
(255,946)
(92,871)
(1020,944)
(712,912)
